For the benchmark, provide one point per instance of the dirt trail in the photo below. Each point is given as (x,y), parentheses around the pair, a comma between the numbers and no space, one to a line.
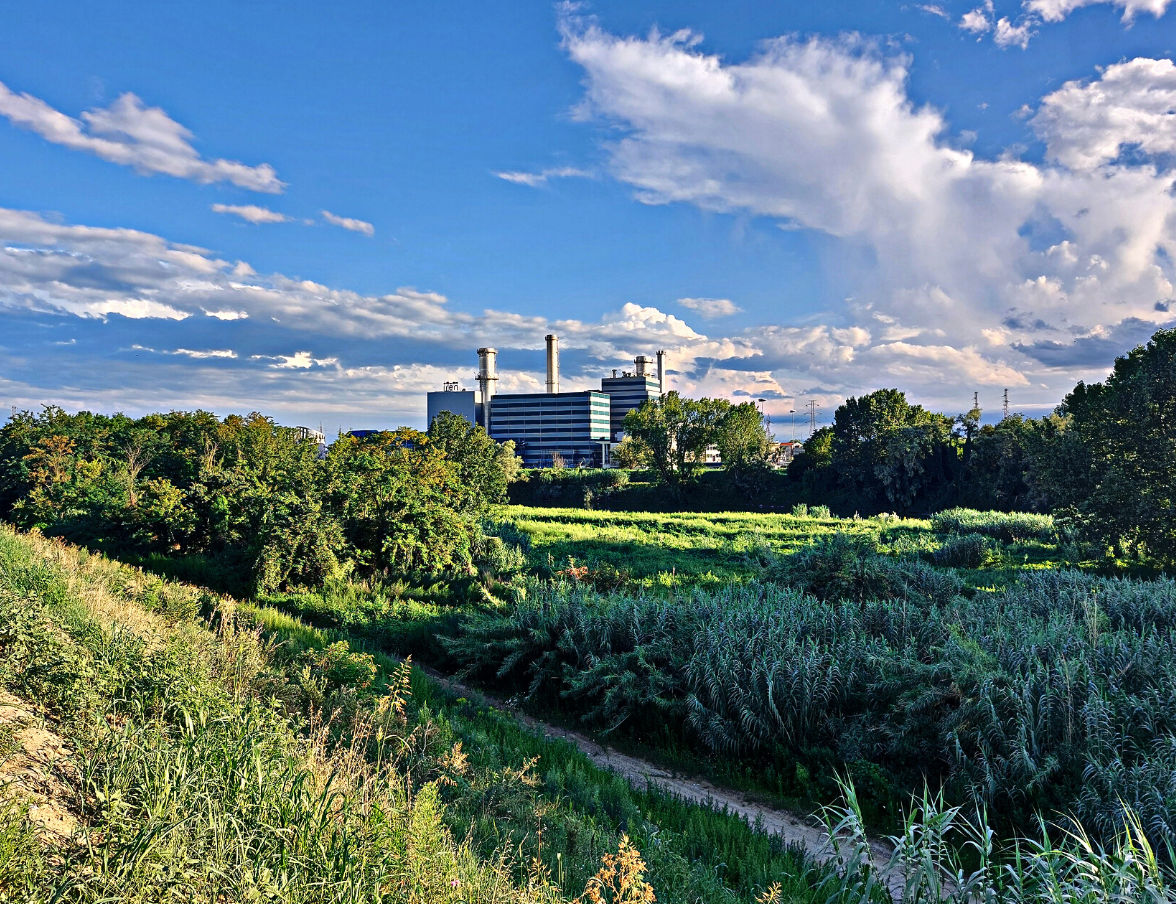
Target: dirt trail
(792,828)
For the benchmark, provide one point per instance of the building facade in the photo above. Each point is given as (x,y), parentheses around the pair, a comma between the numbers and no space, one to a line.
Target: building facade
(625,393)
(573,426)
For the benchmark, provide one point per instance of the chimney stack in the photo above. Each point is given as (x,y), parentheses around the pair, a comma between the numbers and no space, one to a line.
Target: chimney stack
(661,372)
(552,364)
(642,363)
(487,380)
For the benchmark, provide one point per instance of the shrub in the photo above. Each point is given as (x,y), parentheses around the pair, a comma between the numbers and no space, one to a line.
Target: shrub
(1008,527)
(967,551)
(848,566)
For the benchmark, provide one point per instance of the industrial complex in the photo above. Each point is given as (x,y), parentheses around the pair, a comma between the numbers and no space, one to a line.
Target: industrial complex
(577,428)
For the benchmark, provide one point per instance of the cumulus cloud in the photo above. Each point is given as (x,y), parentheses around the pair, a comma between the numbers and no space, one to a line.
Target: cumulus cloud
(1010,35)
(251,213)
(979,20)
(542,177)
(349,223)
(132,134)
(821,134)
(711,308)
(302,360)
(1057,10)
(934,9)
(1131,105)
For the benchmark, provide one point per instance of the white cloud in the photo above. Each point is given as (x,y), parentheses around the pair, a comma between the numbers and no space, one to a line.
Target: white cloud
(251,213)
(349,223)
(934,9)
(302,360)
(534,180)
(227,315)
(131,134)
(1010,35)
(822,134)
(188,352)
(1086,124)
(1057,10)
(711,307)
(978,20)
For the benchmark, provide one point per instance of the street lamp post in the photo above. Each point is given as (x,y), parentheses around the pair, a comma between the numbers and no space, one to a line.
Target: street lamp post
(792,411)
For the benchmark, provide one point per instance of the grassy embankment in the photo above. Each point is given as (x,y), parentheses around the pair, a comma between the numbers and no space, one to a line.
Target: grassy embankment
(201,751)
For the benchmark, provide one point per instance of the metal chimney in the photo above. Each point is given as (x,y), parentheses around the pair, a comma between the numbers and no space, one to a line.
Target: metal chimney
(661,371)
(642,363)
(487,380)
(552,364)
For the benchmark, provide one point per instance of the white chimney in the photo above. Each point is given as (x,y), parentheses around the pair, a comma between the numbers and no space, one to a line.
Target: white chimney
(552,364)
(661,371)
(487,380)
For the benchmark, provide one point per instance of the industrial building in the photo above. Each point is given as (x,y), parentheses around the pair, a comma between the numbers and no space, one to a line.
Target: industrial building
(577,428)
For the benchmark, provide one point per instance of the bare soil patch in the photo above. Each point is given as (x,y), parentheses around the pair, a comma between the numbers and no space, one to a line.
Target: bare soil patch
(32,763)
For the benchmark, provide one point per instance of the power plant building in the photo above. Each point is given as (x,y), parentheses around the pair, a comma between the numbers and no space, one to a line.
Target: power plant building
(577,428)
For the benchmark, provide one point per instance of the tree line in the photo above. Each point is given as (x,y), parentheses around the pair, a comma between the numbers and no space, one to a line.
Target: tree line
(251,497)
(1103,462)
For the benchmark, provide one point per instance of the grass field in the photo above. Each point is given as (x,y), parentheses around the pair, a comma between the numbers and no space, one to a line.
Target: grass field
(655,550)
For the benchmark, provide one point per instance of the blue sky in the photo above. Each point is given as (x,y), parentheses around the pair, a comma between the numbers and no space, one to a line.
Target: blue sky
(320,212)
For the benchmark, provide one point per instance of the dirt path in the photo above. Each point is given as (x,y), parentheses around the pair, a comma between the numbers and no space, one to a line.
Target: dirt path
(641,774)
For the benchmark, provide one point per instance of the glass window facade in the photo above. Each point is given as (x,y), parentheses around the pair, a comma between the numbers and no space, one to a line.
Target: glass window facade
(626,393)
(571,425)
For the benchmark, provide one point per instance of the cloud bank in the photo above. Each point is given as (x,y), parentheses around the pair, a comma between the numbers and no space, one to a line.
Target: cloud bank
(978,261)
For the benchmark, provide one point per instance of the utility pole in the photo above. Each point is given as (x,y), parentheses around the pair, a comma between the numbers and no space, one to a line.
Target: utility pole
(812,405)
(976,401)
(792,411)
(1006,403)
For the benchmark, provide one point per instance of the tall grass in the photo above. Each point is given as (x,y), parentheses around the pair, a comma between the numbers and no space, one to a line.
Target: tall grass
(1056,694)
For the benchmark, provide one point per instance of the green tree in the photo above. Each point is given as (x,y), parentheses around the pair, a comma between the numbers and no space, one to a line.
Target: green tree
(673,433)
(484,467)
(1112,458)
(890,452)
(398,499)
(996,466)
(743,444)
(627,454)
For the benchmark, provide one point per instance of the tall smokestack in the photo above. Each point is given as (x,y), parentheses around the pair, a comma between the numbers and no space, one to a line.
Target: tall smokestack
(642,363)
(552,364)
(661,371)
(487,380)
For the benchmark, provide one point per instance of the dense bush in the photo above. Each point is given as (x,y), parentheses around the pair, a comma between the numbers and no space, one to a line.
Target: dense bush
(1008,527)
(247,505)
(846,566)
(967,551)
